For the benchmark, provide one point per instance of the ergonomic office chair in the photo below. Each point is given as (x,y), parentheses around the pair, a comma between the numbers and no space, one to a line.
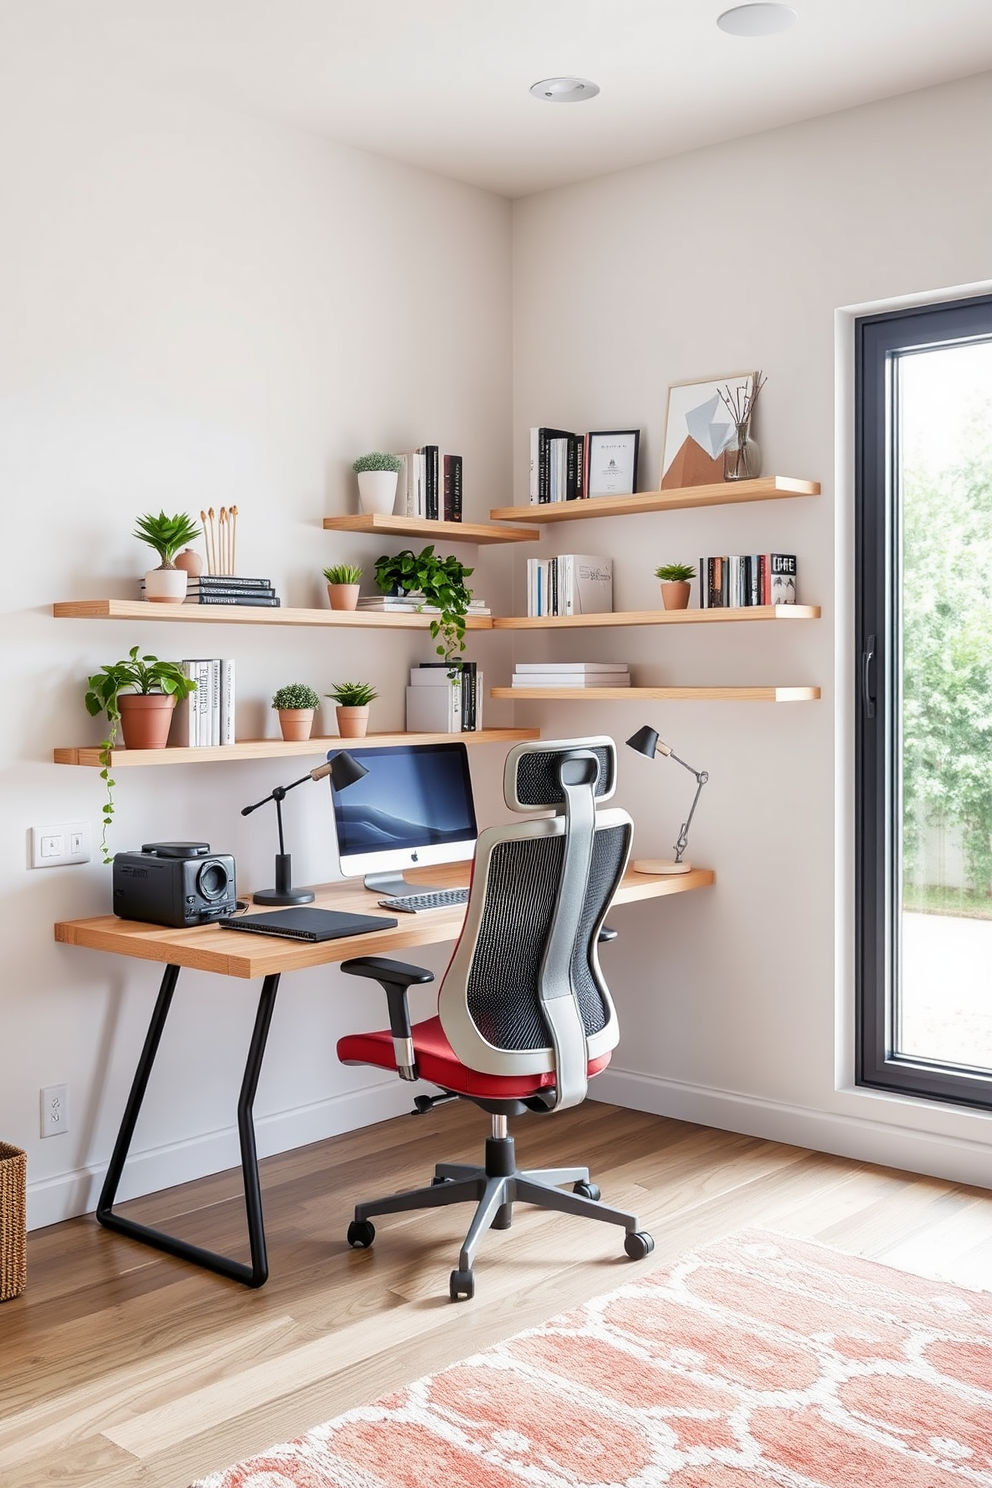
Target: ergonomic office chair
(524,1016)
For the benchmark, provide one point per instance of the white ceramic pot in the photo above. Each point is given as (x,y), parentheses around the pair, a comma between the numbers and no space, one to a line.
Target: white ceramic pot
(377,491)
(165,585)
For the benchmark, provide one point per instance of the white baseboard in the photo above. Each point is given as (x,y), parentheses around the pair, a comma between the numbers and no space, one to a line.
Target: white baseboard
(957,1159)
(51,1200)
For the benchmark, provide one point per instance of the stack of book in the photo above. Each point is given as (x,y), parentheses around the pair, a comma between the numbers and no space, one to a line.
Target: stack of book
(437,703)
(740,580)
(430,485)
(207,716)
(558,465)
(412,603)
(571,584)
(227,589)
(577,674)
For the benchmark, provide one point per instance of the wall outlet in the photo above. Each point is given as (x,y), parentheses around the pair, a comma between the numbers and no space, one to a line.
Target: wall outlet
(65,842)
(54,1110)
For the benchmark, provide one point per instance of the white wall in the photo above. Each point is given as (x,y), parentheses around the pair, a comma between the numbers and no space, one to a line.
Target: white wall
(737,1003)
(197,310)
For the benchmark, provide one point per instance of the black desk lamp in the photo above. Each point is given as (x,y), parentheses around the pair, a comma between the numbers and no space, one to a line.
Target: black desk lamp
(344,771)
(646,742)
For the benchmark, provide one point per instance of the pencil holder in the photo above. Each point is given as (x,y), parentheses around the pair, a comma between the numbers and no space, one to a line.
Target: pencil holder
(13,1221)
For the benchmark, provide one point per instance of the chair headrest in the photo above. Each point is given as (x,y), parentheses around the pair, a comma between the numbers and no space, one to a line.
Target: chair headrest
(532,774)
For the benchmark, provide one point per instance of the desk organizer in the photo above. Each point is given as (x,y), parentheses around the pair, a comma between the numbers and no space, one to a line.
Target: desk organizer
(13,1221)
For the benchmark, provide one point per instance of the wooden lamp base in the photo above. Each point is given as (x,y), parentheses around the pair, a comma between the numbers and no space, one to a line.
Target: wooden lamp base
(660,865)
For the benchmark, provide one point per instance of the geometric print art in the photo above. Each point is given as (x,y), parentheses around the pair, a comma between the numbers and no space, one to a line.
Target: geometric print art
(757,1360)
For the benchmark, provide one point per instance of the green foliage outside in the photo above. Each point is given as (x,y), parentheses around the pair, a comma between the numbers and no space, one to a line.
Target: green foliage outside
(947,659)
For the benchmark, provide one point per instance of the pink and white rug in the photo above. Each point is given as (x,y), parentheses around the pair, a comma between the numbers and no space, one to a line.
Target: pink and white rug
(757,1360)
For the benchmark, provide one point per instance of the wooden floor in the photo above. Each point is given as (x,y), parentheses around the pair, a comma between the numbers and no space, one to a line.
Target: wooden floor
(119,1366)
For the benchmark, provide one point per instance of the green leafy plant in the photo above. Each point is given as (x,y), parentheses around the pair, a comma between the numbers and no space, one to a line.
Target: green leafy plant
(134,674)
(675,573)
(295,695)
(343,573)
(353,694)
(167,535)
(436,582)
(377,460)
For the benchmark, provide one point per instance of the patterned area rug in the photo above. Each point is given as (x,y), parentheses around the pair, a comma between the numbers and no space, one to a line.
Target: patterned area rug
(758,1360)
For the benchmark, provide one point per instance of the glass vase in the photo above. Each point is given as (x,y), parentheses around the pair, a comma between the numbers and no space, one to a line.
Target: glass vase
(742,460)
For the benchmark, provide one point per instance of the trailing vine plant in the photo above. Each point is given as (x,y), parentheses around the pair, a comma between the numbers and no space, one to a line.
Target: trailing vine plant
(435,582)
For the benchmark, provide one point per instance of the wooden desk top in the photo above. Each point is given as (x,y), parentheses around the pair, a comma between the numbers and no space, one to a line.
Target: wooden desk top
(208,948)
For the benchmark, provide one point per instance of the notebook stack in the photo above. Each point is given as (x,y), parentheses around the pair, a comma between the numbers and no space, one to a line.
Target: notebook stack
(575,674)
(412,602)
(439,703)
(227,589)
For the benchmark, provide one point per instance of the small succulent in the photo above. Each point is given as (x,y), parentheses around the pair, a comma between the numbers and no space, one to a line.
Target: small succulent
(343,573)
(353,694)
(296,695)
(377,460)
(167,535)
(675,573)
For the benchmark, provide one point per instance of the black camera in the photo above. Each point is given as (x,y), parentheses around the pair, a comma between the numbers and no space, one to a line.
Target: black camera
(174,883)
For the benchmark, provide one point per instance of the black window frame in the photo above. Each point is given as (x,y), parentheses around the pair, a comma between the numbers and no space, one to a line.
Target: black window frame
(879,340)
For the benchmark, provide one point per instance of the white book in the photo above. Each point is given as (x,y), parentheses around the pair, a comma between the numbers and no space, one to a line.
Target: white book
(227,701)
(430,676)
(182,729)
(571,666)
(533,466)
(571,679)
(204,672)
(590,587)
(215,700)
(434,710)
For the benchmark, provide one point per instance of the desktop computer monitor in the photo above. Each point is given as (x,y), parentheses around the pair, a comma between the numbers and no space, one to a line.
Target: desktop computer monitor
(413,808)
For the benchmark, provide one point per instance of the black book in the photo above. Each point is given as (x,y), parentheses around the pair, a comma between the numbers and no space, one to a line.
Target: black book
(432,508)
(269,601)
(452,488)
(544,438)
(227,581)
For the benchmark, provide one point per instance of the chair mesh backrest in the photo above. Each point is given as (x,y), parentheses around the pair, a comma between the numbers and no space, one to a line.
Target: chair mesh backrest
(525,980)
(503,983)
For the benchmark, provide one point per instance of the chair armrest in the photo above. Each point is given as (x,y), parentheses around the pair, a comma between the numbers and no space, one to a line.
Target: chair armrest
(394,977)
(606,932)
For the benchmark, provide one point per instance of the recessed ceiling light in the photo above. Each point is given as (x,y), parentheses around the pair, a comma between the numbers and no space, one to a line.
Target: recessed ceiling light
(757,20)
(564,89)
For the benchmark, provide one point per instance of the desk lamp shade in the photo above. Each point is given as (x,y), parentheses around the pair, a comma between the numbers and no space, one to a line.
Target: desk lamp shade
(646,741)
(344,770)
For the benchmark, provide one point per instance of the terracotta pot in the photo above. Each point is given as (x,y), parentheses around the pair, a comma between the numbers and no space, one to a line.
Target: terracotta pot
(343,596)
(190,562)
(165,585)
(675,595)
(353,722)
(145,718)
(296,723)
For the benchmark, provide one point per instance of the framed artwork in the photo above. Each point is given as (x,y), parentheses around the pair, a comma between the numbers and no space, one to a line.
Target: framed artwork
(613,462)
(699,427)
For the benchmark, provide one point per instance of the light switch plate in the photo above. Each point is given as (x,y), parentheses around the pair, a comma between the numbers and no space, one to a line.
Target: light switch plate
(61,843)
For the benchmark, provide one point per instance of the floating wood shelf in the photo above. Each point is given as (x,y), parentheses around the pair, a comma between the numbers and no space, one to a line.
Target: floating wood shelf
(473,532)
(253,749)
(722,493)
(659,694)
(656,617)
(141,609)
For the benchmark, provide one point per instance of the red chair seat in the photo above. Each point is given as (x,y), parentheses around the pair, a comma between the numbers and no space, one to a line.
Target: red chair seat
(438,1064)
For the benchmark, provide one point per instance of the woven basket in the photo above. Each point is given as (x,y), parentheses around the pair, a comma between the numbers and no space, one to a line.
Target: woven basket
(13,1221)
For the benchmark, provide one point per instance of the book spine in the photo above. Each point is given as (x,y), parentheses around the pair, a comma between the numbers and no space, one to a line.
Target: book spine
(571,468)
(182,730)
(228,581)
(202,696)
(452,488)
(215,667)
(271,601)
(783,578)
(227,675)
(704,584)
(431,470)
(543,480)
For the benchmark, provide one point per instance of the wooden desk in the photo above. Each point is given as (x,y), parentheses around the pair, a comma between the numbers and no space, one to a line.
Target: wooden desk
(208,948)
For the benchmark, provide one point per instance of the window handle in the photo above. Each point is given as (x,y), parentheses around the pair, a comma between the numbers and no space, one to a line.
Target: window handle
(867,657)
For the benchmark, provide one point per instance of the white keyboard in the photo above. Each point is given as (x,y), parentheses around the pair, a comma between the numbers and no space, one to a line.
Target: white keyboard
(430,899)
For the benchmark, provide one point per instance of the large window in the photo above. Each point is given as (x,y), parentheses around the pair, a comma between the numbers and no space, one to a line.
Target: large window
(924,731)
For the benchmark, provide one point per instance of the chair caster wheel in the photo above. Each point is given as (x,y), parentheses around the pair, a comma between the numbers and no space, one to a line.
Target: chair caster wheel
(638,1244)
(361,1233)
(587,1191)
(462,1284)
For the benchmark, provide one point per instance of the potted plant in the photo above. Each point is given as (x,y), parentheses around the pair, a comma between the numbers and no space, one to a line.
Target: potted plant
(353,699)
(438,584)
(138,694)
(167,583)
(675,584)
(296,705)
(377,474)
(343,581)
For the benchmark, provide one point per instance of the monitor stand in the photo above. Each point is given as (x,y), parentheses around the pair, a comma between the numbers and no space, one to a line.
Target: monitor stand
(392,885)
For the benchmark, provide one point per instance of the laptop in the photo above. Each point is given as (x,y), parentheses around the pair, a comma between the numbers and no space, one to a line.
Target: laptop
(301,923)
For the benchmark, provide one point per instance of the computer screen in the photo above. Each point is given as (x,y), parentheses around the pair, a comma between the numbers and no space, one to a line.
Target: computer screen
(413,808)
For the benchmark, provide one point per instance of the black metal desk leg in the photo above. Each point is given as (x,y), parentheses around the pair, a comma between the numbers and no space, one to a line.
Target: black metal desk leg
(257,1273)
